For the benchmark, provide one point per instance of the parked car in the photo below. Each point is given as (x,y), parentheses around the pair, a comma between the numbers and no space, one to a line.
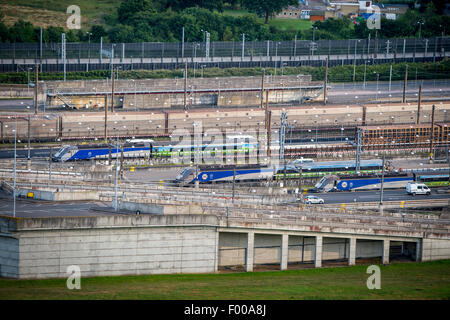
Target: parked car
(313,200)
(301,161)
(417,188)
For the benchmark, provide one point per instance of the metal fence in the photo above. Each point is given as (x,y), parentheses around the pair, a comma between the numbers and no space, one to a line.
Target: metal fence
(137,51)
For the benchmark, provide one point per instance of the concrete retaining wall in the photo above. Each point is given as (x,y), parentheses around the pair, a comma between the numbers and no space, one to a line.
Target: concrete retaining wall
(180,243)
(368,248)
(232,248)
(58,195)
(435,249)
(109,246)
(167,93)
(267,248)
(301,249)
(9,256)
(9,250)
(162,209)
(117,252)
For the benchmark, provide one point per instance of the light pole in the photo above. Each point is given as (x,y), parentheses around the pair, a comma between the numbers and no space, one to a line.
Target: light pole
(314,29)
(313,41)
(365,68)
(276,56)
(282,68)
(382,181)
(378,77)
(243,46)
(204,34)
(89,50)
(15,158)
(117,169)
(29,134)
(354,61)
(390,81)
(135,106)
(203,65)
(28,74)
(195,56)
(420,28)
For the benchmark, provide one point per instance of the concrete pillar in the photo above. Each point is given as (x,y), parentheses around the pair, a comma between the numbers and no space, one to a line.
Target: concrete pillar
(352,252)
(284,251)
(318,252)
(386,251)
(250,251)
(419,250)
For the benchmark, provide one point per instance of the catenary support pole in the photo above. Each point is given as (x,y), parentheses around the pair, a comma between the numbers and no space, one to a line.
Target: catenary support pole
(405,84)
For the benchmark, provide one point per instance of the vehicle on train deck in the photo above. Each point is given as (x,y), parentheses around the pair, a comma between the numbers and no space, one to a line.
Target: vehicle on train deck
(414,188)
(140,148)
(226,173)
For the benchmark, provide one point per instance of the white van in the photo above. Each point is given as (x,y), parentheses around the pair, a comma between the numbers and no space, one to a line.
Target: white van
(417,188)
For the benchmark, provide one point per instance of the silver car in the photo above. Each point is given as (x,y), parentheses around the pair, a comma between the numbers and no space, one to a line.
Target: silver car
(313,200)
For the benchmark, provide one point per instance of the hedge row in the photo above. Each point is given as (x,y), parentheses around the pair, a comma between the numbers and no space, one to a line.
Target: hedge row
(420,70)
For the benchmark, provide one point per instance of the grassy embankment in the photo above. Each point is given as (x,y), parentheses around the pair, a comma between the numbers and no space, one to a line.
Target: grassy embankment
(430,280)
(418,70)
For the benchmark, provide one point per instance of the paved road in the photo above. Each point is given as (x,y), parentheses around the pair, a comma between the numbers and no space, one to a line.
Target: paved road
(23,153)
(338,93)
(373,92)
(374,196)
(17,105)
(36,208)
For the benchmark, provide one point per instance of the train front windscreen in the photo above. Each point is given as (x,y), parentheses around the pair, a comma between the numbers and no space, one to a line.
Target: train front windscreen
(60,153)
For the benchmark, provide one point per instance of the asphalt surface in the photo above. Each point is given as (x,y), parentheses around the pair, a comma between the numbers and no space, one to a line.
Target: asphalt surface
(374,196)
(23,153)
(36,208)
(338,93)
(372,92)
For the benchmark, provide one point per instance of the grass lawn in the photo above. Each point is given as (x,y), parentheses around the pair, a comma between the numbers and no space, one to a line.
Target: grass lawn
(291,24)
(235,13)
(43,13)
(430,280)
(282,24)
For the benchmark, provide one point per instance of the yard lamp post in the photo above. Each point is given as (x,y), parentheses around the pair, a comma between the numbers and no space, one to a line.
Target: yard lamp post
(15,159)
(420,28)
(89,50)
(378,77)
(195,55)
(354,60)
(117,169)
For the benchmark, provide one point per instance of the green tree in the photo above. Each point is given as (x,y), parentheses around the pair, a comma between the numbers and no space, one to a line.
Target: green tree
(179,5)
(129,8)
(4,32)
(267,8)
(342,27)
(121,33)
(52,34)
(439,5)
(22,31)
(97,31)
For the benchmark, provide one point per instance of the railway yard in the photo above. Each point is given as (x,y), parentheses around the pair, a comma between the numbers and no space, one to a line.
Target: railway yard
(224,151)
(250,170)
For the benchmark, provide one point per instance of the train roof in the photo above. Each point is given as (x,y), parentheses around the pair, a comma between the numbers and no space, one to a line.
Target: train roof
(369,176)
(288,167)
(434,176)
(340,164)
(229,167)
